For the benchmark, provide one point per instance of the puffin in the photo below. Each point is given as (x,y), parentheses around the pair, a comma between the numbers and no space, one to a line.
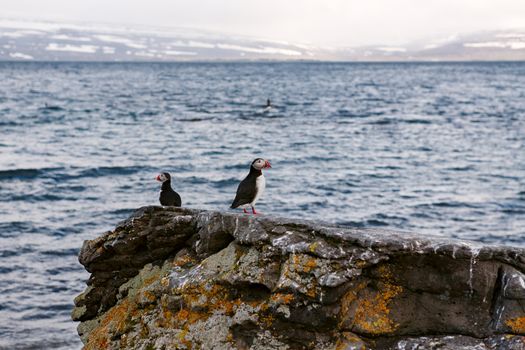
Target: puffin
(252,187)
(167,196)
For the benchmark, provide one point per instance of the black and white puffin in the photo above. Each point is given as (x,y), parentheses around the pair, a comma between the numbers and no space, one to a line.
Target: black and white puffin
(252,187)
(167,195)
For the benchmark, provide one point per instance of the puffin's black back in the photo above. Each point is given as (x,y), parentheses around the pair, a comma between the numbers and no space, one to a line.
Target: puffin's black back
(247,189)
(169,197)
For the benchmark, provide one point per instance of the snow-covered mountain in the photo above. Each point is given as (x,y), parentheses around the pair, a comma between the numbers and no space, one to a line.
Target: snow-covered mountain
(485,46)
(52,41)
(58,41)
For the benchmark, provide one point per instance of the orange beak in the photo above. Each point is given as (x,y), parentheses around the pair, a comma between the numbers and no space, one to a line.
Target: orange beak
(267,164)
(158,178)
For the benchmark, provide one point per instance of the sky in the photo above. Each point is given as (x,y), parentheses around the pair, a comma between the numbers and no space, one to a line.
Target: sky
(328,23)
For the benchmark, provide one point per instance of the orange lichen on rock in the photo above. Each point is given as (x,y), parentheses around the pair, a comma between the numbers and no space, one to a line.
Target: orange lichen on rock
(183,260)
(115,321)
(348,299)
(517,324)
(349,341)
(267,320)
(202,301)
(312,291)
(281,298)
(372,312)
(310,264)
(303,263)
(149,296)
(123,316)
(182,339)
(360,264)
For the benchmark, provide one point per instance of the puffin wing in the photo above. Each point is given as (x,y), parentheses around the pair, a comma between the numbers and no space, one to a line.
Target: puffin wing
(245,192)
(170,198)
(176,199)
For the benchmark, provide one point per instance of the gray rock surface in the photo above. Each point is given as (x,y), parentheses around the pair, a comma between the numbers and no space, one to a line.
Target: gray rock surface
(175,278)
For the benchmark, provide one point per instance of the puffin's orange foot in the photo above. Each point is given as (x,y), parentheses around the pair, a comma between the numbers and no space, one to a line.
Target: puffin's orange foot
(245,211)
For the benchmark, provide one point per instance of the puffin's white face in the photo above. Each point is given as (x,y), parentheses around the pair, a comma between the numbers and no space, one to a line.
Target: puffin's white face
(260,164)
(162,177)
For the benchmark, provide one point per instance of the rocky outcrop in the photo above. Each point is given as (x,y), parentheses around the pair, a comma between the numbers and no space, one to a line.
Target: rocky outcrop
(172,278)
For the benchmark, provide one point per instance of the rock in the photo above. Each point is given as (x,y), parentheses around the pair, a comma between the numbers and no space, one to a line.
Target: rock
(175,278)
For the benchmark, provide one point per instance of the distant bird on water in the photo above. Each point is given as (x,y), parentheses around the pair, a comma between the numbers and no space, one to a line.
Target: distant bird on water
(252,187)
(268,106)
(168,197)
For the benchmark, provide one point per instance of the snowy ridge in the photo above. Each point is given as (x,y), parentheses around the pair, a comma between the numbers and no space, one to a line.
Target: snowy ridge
(57,41)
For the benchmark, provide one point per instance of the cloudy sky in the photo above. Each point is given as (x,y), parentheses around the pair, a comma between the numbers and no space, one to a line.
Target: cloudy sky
(318,22)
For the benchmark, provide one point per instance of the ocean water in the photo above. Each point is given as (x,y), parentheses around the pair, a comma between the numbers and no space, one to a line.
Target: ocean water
(437,149)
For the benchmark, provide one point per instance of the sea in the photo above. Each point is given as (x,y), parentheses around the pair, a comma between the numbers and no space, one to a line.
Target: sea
(432,148)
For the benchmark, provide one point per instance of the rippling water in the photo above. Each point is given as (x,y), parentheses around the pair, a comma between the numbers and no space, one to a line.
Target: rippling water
(431,148)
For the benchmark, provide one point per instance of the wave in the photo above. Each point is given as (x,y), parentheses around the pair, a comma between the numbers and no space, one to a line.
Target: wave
(51,108)
(47,197)
(400,120)
(447,204)
(24,173)
(225,183)
(383,121)
(376,223)
(350,223)
(13,228)
(514,211)
(64,174)
(110,170)
(195,119)
(61,252)
(9,123)
(349,114)
(417,121)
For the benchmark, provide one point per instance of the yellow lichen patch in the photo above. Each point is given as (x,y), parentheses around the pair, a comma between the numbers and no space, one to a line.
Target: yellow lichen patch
(348,299)
(202,301)
(385,273)
(125,315)
(312,291)
(165,281)
(303,263)
(229,337)
(166,320)
(349,341)
(281,298)
(517,324)
(115,321)
(360,264)
(183,260)
(372,311)
(266,320)
(232,306)
(182,339)
(312,247)
(149,296)
(149,280)
(310,264)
